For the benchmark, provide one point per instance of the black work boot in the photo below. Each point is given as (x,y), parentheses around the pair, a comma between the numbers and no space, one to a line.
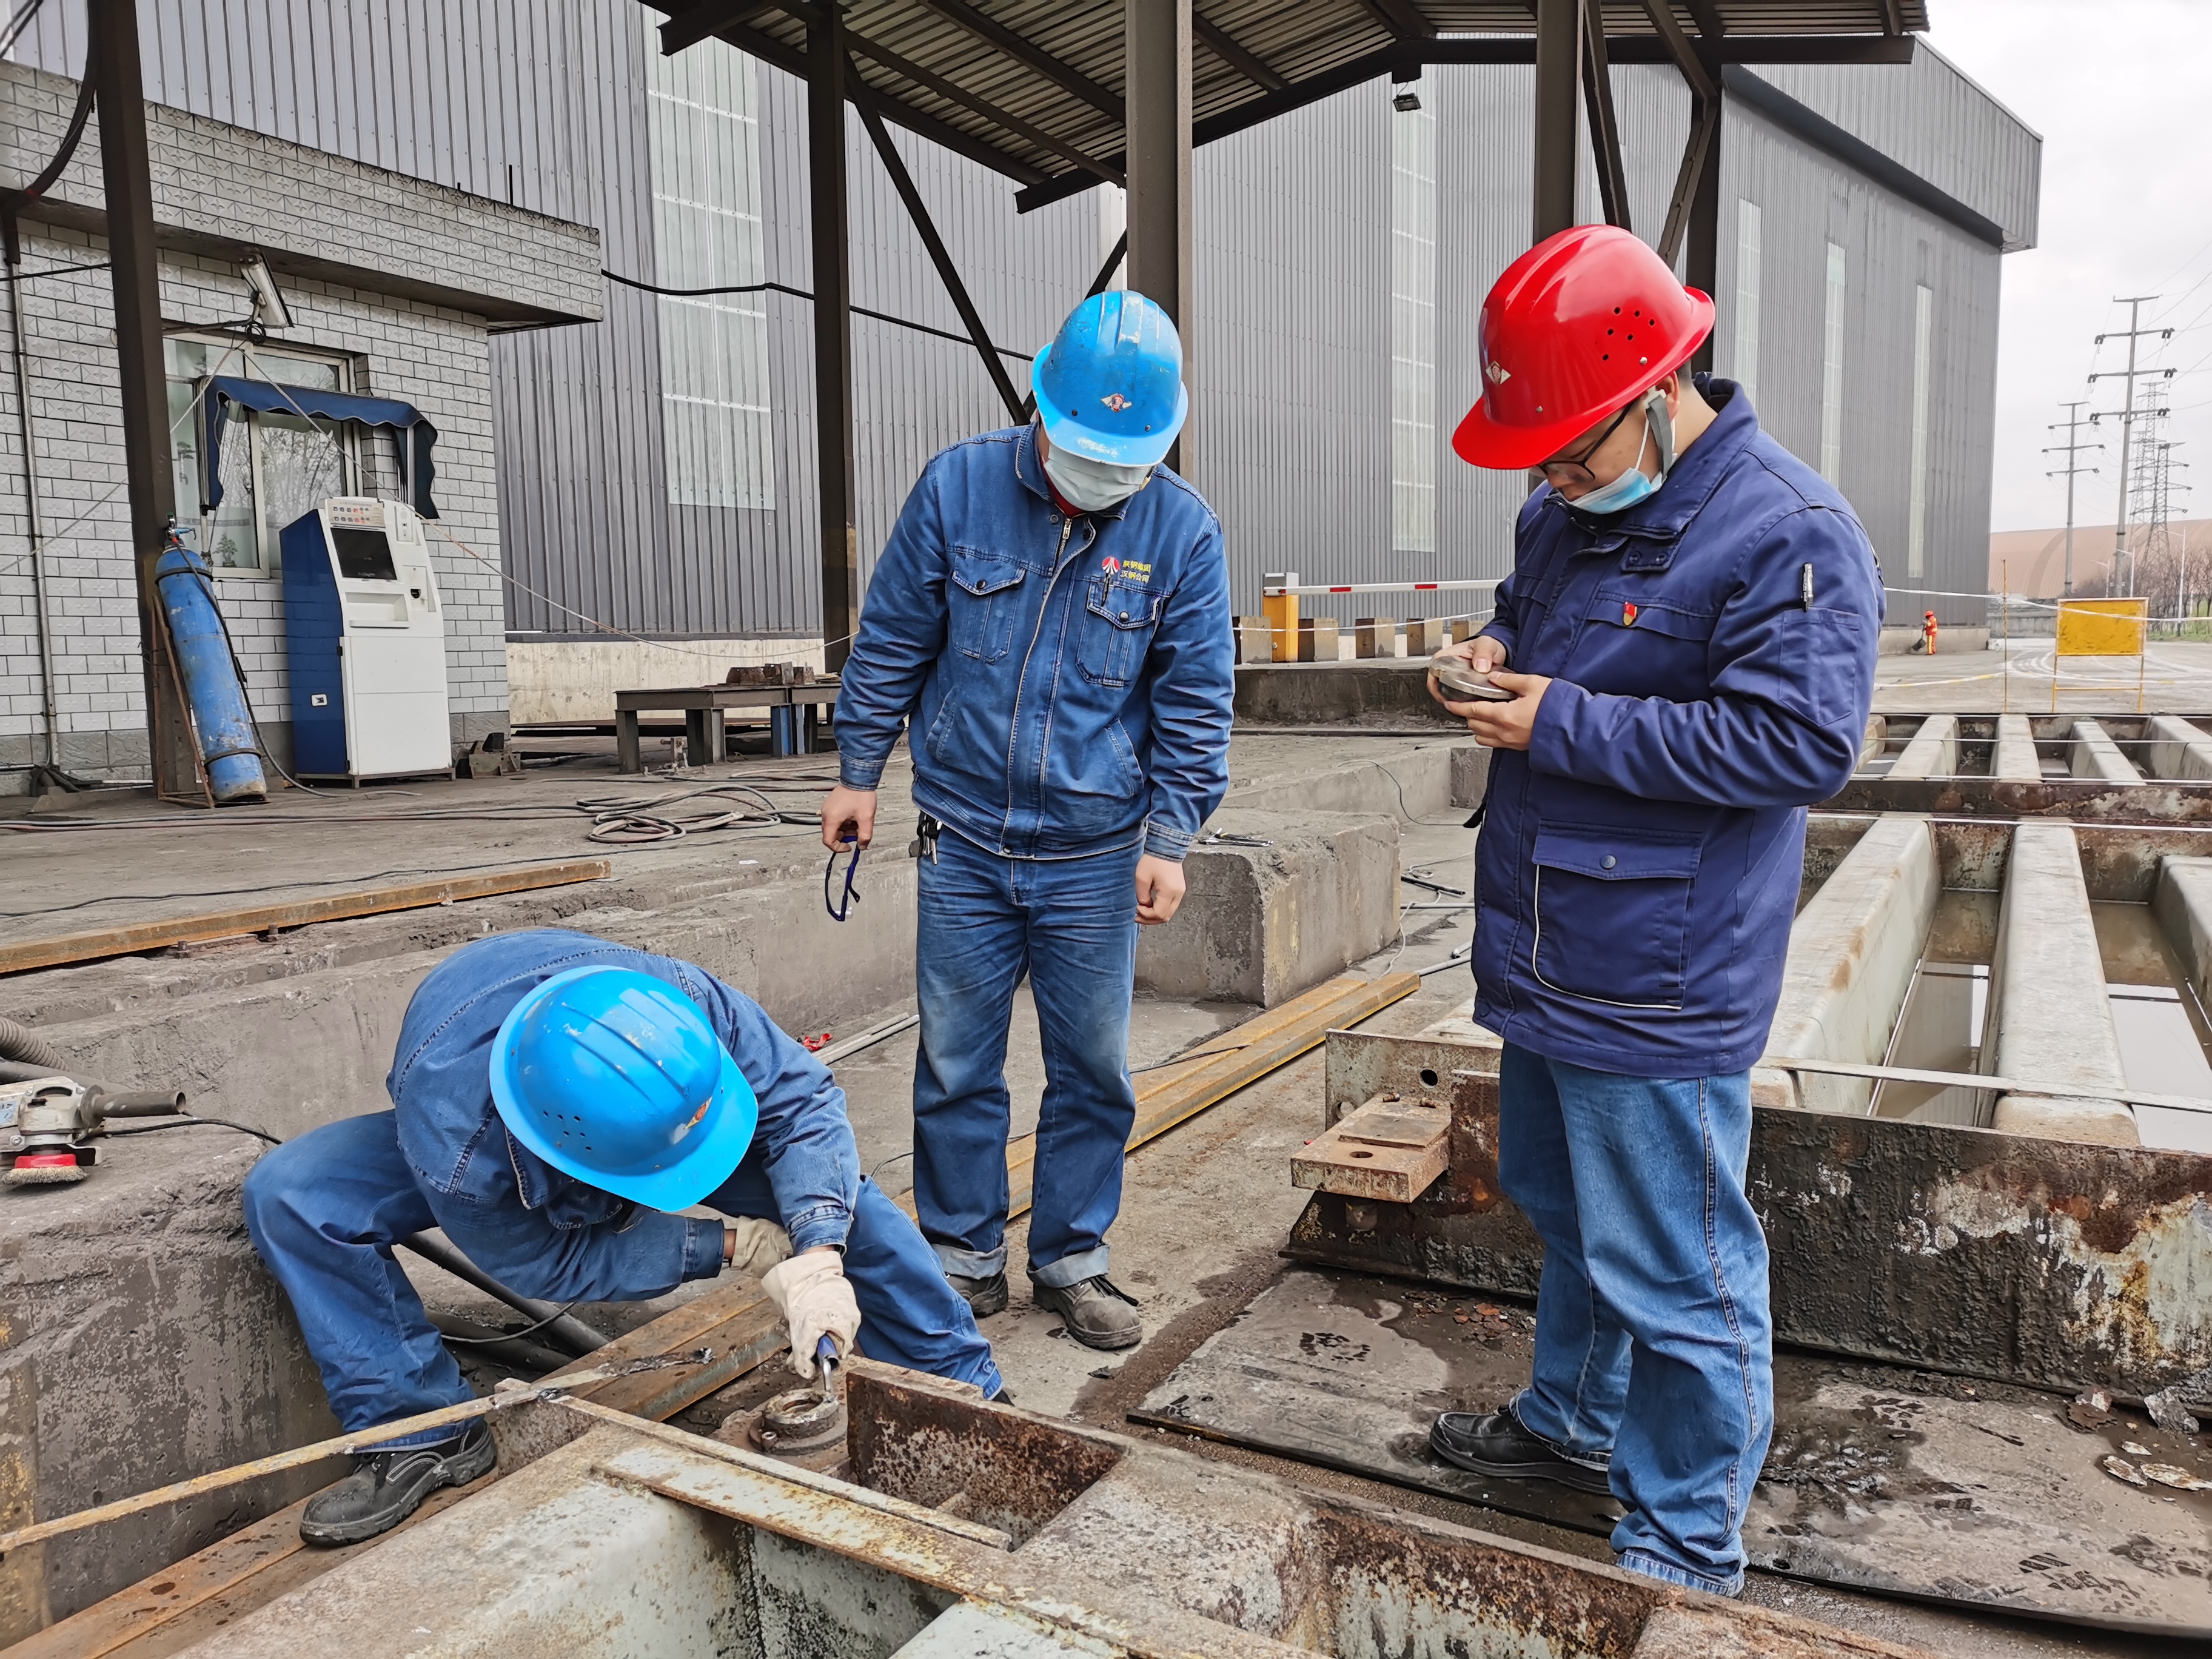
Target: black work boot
(385,1487)
(984,1296)
(1496,1444)
(1099,1313)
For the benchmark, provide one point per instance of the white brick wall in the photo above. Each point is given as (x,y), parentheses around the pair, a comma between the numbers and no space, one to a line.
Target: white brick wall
(244,187)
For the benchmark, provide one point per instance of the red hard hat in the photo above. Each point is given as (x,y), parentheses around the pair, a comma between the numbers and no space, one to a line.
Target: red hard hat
(1579,326)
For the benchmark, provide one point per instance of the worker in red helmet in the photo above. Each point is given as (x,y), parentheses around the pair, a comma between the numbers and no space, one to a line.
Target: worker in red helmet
(1686,647)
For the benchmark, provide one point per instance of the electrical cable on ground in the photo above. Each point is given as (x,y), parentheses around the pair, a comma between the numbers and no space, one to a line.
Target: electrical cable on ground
(557,1315)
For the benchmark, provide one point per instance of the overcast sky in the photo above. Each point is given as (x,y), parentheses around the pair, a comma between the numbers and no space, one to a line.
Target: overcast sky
(2117,88)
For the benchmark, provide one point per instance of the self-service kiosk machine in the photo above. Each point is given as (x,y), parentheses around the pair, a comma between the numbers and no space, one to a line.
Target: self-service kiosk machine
(368,643)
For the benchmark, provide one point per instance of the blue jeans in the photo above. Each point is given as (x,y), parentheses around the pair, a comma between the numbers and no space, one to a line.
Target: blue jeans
(1654,1344)
(1071,924)
(323,1210)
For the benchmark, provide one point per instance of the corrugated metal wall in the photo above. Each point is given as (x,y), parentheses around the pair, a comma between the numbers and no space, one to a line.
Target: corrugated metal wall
(1290,347)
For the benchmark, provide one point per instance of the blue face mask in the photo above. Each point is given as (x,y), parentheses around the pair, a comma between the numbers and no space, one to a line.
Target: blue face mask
(1636,485)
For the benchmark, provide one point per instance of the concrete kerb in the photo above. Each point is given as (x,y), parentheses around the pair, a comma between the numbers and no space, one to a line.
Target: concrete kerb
(2175,749)
(1933,752)
(1853,950)
(2039,1023)
(2014,760)
(2096,756)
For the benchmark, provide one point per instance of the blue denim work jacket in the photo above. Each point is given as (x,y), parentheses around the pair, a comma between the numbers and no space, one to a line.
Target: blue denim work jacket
(1712,654)
(1069,679)
(458,1148)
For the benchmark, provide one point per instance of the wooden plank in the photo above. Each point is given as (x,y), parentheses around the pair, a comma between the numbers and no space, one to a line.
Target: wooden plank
(1244,1054)
(300,913)
(1391,1149)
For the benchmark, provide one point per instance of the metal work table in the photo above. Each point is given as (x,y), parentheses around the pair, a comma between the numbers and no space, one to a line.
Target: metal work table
(794,716)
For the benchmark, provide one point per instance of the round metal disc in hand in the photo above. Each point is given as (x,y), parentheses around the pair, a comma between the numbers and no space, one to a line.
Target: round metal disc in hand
(1465,683)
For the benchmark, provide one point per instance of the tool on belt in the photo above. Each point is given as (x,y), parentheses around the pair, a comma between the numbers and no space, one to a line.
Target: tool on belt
(924,844)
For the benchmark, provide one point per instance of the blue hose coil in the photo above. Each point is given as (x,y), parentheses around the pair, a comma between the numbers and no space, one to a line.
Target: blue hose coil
(228,743)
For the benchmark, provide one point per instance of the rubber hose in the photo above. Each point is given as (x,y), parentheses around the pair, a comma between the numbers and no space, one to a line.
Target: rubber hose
(16,1043)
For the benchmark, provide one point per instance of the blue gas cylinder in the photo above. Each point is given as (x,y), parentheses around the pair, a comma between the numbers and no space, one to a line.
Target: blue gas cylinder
(227,740)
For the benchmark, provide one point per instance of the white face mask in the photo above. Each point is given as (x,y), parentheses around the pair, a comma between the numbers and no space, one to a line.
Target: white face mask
(1090,486)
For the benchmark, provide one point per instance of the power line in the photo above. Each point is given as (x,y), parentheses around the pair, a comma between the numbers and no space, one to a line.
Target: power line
(2127,412)
(2070,448)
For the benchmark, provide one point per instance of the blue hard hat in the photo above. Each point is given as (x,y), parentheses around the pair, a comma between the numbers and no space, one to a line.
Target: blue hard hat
(1110,387)
(616,1078)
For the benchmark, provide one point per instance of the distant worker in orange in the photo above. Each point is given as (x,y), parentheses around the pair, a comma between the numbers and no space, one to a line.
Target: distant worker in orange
(1927,632)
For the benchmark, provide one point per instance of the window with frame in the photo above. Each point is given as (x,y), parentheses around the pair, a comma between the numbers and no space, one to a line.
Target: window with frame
(274,466)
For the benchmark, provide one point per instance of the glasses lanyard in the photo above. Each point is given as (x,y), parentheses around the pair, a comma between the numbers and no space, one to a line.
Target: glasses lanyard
(842,907)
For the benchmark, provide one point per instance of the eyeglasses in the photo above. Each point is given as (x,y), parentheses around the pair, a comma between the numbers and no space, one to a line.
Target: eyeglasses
(842,907)
(1558,474)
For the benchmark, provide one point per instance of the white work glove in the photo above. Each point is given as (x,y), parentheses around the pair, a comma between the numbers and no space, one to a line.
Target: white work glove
(750,1245)
(810,1292)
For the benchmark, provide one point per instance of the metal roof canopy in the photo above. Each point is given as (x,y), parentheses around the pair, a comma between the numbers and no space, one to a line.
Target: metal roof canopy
(1045,93)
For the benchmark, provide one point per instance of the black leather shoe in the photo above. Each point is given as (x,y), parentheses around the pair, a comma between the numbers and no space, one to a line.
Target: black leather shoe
(385,1487)
(1496,1444)
(1096,1312)
(984,1296)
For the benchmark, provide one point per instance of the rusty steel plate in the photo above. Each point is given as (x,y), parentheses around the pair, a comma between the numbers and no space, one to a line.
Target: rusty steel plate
(2156,801)
(2042,1263)
(1880,1479)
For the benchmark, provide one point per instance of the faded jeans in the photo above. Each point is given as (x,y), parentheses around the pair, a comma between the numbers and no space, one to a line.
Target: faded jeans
(1070,924)
(1654,1344)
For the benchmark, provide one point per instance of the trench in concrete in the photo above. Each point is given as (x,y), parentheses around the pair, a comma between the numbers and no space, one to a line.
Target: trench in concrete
(2072,957)
(2025,748)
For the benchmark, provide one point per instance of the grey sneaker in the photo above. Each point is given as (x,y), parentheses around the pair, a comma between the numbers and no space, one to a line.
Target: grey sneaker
(385,1487)
(984,1296)
(1099,1313)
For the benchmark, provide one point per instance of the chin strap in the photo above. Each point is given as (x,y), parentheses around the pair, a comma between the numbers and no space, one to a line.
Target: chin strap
(1660,425)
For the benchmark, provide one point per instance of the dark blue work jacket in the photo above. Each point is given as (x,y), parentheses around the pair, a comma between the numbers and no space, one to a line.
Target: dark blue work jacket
(544,1230)
(1069,679)
(1639,866)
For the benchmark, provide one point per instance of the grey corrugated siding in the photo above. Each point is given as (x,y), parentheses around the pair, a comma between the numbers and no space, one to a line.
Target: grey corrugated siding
(1931,118)
(1291,346)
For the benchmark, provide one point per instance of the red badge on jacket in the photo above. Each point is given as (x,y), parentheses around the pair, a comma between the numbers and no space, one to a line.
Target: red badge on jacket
(1628,613)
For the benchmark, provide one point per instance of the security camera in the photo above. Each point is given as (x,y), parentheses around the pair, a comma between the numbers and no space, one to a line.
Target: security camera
(270,310)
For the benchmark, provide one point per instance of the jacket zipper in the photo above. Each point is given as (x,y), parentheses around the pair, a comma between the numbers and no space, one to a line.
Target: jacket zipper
(1014,728)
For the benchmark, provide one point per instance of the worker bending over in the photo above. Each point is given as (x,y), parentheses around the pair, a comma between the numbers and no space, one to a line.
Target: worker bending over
(1688,638)
(1050,621)
(556,1097)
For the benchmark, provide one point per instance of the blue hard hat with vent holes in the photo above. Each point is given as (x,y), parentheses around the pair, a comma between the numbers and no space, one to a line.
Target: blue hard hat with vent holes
(616,1078)
(1110,387)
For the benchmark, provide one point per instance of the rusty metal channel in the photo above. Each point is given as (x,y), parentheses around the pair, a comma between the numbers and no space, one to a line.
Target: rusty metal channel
(2045,1263)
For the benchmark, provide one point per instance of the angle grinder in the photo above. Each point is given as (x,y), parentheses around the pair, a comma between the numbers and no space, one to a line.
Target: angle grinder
(1467,682)
(47,1124)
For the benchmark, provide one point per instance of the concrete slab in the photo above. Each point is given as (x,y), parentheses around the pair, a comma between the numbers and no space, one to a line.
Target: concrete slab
(2014,760)
(1261,923)
(1933,752)
(1852,952)
(1380,692)
(2048,1019)
(2178,749)
(2094,754)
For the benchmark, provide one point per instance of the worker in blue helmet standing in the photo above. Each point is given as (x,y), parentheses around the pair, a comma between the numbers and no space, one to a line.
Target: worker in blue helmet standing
(1049,624)
(556,1100)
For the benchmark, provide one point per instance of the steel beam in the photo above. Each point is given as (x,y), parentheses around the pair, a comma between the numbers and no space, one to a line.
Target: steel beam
(1157,42)
(1558,69)
(134,277)
(826,91)
(939,255)
(953,91)
(705,20)
(1702,268)
(1023,51)
(1224,46)
(1605,129)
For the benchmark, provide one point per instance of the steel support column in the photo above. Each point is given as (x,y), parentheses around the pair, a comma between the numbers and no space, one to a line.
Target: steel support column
(1701,270)
(1157,138)
(1558,74)
(127,180)
(1605,128)
(826,71)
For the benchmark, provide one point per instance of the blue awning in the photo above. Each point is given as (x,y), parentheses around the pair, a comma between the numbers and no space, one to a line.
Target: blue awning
(410,432)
